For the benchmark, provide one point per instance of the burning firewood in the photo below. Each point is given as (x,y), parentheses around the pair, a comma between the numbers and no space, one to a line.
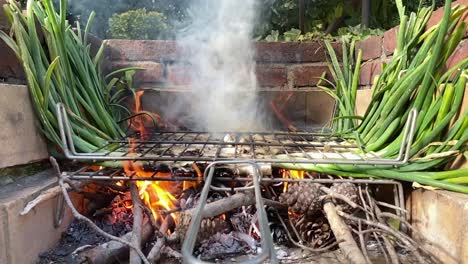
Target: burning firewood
(215,209)
(80,217)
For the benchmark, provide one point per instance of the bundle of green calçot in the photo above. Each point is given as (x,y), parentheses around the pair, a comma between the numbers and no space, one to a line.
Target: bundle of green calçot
(59,69)
(415,77)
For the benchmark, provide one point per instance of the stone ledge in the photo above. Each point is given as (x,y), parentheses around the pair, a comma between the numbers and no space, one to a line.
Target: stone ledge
(23,238)
(441,217)
(20,139)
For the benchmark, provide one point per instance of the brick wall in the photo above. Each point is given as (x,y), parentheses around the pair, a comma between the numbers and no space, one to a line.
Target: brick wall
(279,65)
(379,49)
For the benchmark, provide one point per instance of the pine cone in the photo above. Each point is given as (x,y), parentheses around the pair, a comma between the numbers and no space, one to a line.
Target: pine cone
(315,232)
(302,198)
(347,189)
(208,227)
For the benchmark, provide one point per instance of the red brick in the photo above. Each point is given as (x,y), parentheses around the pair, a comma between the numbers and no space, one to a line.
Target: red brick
(439,14)
(153,72)
(371,48)
(139,50)
(292,52)
(10,67)
(458,55)
(178,74)
(368,72)
(271,75)
(390,40)
(306,75)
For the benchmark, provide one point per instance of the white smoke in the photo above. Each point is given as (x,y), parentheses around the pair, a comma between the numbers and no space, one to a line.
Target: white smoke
(218,46)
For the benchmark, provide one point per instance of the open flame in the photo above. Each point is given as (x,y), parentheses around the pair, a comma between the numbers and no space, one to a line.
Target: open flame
(192,184)
(291,174)
(157,195)
(143,118)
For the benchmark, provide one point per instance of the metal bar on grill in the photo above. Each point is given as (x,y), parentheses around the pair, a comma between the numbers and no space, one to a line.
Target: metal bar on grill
(194,227)
(312,148)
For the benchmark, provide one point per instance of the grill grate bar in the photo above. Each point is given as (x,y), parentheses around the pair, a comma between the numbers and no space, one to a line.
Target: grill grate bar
(263,147)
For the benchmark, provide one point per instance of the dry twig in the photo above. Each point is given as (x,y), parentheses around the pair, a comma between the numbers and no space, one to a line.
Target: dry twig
(81,217)
(341,231)
(137,223)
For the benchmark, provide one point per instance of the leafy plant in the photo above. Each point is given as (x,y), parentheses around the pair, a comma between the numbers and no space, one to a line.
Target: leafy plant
(61,70)
(415,78)
(329,16)
(173,10)
(139,24)
(358,32)
(347,33)
(345,85)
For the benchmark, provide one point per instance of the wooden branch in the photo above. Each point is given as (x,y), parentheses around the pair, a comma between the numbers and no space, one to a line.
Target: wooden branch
(341,231)
(410,243)
(155,254)
(225,205)
(81,217)
(214,209)
(112,251)
(137,223)
(388,245)
(47,195)
(336,195)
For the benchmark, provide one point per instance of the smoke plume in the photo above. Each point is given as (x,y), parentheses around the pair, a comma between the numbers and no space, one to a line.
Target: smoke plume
(218,46)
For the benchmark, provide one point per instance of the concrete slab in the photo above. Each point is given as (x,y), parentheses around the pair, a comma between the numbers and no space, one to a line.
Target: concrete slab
(23,238)
(441,217)
(19,137)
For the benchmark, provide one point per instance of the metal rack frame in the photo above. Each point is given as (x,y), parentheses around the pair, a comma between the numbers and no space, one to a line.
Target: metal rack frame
(295,152)
(194,227)
(257,180)
(308,141)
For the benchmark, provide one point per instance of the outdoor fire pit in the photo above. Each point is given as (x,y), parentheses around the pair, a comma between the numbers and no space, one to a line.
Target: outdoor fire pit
(198,196)
(212,137)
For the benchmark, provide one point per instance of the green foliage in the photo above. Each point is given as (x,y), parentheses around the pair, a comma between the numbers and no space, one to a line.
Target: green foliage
(348,33)
(295,35)
(79,10)
(358,32)
(282,16)
(139,24)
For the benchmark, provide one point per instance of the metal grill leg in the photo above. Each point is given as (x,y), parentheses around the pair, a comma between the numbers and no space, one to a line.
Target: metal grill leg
(194,227)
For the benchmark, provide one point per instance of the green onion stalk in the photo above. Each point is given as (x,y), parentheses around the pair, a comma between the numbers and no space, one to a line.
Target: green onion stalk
(59,69)
(415,77)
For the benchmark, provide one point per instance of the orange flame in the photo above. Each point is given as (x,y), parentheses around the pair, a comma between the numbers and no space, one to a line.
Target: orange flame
(157,195)
(143,120)
(293,174)
(190,184)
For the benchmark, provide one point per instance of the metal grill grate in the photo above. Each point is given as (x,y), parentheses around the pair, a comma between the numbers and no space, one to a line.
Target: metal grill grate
(264,147)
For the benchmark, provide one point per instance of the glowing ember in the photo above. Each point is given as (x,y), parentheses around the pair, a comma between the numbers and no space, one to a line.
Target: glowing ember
(292,174)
